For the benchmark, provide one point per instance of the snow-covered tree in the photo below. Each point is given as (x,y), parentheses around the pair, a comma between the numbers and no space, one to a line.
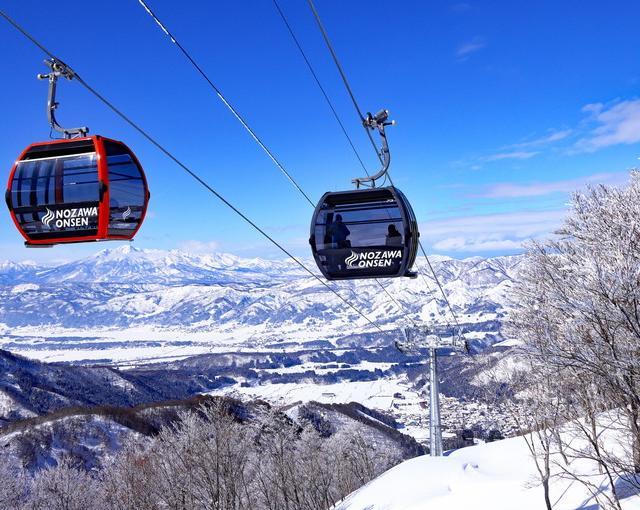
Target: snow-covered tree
(13,483)
(578,313)
(64,487)
(211,459)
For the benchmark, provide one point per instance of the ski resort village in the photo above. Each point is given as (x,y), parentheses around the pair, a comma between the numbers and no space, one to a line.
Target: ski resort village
(314,255)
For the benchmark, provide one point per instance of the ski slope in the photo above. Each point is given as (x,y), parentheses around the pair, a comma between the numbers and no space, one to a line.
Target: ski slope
(493,476)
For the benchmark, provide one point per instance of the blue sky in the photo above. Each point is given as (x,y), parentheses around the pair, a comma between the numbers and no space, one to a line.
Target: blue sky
(503,108)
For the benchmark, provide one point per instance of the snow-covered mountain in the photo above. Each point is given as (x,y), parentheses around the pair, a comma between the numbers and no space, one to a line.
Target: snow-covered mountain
(127,264)
(15,271)
(149,303)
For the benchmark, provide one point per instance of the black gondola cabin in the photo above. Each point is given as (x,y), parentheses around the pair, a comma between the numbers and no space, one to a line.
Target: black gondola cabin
(77,190)
(368,233)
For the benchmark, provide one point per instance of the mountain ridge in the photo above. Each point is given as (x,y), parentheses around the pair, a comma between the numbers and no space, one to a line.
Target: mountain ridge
(121,296)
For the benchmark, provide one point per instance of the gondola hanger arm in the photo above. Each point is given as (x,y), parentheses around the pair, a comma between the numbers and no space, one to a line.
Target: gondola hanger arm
(59,69)
(377,122)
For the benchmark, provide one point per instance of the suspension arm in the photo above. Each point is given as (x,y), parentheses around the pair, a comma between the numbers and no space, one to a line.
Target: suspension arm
(58,69)
(378,122)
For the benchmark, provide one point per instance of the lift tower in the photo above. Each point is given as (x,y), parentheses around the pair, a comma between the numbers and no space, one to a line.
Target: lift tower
(417,339)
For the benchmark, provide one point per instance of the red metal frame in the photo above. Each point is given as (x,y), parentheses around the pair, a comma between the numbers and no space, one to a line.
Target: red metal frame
(11,174)
(103,208)
(146,189)
(103,178)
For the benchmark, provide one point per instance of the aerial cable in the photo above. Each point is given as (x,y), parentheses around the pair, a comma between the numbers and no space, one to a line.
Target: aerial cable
(241,120)
(193,174)
(437,280)
(344,76)
(400,306)
(340,123)
(317,80)
(223,99)
(325,36)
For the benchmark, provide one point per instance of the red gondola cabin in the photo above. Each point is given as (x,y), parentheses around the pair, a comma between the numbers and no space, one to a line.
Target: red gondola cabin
(77,190)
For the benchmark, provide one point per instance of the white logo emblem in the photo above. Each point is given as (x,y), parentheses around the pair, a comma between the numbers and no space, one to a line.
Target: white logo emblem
(351,259)
(46,219)
(126,213)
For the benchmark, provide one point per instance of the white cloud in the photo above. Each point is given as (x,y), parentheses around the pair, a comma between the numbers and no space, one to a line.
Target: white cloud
(513,190)
(491,232)
(593,108)
(619,124)
(477,245)
(527,149)
(464,50)
(522,223)
(615,124)
(555,136)
(511,155)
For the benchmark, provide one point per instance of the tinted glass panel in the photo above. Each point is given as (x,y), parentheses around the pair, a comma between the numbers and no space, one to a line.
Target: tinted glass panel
(360,240)
(373,225)
(127,193)
(66,148)
(414,228)
(56,197)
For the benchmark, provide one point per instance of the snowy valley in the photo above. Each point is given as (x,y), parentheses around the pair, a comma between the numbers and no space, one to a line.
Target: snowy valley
(256,329)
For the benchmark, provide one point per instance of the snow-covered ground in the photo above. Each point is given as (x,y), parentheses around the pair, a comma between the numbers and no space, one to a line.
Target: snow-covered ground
(128,307)
(375,394)
(396,396)
(141,344)
(493,476)
(381,394)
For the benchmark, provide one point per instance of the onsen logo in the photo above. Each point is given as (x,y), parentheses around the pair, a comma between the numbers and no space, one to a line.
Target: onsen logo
(46,219)
(373,258)
(66,218)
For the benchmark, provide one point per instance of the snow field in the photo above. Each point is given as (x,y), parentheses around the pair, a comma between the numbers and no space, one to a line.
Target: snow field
(494,476)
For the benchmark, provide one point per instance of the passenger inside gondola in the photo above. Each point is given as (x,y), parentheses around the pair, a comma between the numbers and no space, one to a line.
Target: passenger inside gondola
(338,233)
(393,237)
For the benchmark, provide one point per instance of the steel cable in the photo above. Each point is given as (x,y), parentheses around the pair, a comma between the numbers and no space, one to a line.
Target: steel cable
(193,174)
(248,128)
(325,36)
(224,100)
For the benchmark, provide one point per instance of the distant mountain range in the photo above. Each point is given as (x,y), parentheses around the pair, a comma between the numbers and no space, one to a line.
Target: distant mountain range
(251,302)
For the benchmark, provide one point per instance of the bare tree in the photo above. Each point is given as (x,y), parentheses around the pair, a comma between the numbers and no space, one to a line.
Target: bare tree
(212,459)
(578,313)
(13,483)
(64,487)
(128,479)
